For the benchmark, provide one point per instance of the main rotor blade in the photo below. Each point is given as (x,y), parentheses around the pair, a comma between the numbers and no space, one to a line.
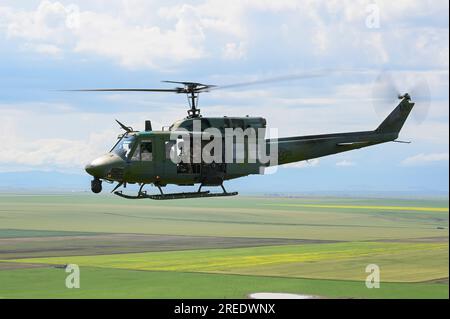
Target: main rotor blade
(200,87)
(193,87)
(125,90)
(284,78)
(188,83)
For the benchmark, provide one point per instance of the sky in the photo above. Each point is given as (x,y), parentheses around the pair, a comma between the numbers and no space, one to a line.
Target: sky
(46,46)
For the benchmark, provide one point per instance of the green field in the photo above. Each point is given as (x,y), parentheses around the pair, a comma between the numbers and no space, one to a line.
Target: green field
(222,248)
(120,283)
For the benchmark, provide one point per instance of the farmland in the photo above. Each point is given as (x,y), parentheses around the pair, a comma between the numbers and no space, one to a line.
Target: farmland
(223,248)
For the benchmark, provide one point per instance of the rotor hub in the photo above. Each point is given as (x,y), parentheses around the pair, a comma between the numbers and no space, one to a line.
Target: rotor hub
(404,96)
(192,90)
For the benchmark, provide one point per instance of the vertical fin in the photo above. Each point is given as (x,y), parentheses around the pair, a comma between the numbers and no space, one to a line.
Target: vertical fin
(394,122)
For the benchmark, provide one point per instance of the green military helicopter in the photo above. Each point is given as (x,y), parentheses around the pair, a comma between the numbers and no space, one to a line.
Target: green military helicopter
(146,157)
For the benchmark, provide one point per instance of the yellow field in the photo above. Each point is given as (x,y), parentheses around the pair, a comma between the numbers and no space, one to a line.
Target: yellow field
(332,261)
(401,208)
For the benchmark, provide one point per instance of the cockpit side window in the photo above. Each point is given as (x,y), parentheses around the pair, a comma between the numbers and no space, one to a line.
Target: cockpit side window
(137,153)
(124,145)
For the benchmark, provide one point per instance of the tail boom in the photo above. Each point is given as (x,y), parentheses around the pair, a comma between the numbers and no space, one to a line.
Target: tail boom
(300,148)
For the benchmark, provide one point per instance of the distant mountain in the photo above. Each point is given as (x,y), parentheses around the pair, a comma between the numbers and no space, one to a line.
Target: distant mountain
(44,181)
(323,179)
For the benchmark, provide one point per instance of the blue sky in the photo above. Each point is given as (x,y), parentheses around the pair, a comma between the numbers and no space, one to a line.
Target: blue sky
(52,45)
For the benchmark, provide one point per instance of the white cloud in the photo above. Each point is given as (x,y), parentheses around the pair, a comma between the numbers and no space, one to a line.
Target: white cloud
(53,28)
(49,22)
(345,163)
(234,51)
(157,34)
(66,139)
(241,38)
(425,159)
(136,46)
(47,49)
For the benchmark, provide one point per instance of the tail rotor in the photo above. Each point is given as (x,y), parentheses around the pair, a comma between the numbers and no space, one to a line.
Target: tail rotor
(386,92)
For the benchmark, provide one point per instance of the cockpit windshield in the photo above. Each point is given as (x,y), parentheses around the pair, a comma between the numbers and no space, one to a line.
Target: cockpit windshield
(124,145)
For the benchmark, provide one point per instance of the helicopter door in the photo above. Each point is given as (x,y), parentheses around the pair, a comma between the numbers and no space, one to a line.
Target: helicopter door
(182,168)
(143,159)
(146,150)
(185,167)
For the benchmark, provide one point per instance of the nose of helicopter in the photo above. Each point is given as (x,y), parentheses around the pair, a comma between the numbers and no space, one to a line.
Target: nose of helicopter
(101,166)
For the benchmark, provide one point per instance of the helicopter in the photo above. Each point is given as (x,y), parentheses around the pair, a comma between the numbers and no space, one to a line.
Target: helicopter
(147,157)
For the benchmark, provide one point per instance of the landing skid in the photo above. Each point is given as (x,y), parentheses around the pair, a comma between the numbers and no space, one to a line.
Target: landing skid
(199,194)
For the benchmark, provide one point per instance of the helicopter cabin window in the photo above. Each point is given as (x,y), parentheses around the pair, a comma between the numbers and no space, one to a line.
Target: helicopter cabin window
(146,151)
(143,151)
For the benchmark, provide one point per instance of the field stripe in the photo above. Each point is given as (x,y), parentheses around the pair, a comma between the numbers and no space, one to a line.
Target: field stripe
(344,261)
(407,208)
